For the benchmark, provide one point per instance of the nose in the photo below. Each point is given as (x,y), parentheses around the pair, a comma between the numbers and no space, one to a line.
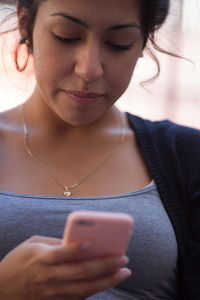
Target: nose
(89,65)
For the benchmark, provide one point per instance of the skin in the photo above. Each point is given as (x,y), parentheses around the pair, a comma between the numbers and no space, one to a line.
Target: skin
(74,139)
(42,268)
(77,137)
(88,64)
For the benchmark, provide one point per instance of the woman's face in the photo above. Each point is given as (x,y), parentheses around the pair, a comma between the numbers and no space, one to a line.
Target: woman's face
(84,54)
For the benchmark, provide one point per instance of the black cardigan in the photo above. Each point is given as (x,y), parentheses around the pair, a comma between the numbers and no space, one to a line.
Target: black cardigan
(172,154)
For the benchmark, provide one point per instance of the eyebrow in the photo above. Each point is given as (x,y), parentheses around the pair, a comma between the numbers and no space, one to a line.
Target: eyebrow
(83,24)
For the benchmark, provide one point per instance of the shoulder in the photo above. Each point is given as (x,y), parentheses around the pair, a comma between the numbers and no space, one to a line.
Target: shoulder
(10,120)
(167,133)
(10,127)
(173,146)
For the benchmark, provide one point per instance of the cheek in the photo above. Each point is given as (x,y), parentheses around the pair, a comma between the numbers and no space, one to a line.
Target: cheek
(46,63)
(50,69)
(49,62)
(120,75)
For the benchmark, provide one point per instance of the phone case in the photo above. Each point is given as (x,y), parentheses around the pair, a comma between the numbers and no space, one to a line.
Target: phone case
(109,232)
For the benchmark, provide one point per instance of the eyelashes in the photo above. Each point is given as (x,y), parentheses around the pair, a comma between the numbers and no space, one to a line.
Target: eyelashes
(65,40)
(73,41)
(120,47)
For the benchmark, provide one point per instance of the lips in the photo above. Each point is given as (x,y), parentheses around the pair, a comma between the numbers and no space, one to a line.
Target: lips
(81,97)
(84,95)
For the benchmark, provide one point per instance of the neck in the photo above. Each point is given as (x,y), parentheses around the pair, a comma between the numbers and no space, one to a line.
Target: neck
(42,120)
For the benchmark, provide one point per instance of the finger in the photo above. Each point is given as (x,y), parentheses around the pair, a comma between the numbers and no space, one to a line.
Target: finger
(86,270)
(84,289)
(92,287)
(45,240)
(102,284)
(60,254)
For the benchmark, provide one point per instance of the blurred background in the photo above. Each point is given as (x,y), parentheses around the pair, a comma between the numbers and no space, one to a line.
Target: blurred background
(175,95)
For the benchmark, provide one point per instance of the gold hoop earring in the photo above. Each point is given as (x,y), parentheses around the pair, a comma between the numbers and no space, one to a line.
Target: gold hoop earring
(29,51)
(28,44)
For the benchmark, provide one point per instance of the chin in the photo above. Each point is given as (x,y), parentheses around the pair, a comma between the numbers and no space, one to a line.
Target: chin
(79,120)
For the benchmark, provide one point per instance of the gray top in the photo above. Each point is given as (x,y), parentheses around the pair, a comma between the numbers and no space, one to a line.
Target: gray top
(152,250)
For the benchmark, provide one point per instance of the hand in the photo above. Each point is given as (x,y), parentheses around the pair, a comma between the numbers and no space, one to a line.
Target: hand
(43,268)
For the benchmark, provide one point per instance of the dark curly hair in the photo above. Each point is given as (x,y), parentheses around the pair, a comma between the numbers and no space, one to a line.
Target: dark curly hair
(153,14)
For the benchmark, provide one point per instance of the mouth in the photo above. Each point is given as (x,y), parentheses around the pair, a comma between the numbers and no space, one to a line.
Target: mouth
(84,94)
(82,97)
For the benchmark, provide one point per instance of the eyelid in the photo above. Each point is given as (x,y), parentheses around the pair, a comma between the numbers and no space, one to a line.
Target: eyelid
(126,47)
(74,40)
(60,38)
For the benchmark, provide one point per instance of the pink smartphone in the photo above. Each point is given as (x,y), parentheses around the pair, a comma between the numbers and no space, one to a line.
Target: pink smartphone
(109,232)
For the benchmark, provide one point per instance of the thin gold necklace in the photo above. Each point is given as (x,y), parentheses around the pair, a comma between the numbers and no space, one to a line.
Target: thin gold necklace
(67,189)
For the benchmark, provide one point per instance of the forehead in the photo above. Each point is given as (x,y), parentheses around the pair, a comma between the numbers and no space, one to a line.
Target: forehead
(97,12)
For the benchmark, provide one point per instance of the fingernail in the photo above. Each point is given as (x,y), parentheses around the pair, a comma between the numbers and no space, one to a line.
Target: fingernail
(124,273)
(122,261)
(86,245)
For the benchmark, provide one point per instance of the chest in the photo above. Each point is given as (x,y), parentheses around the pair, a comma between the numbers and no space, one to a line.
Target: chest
(92,172)
(152,238)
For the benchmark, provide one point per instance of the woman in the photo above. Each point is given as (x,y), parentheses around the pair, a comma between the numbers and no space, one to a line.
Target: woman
(68,147)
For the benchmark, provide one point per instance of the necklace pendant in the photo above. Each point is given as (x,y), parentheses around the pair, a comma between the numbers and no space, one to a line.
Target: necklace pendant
(67,193)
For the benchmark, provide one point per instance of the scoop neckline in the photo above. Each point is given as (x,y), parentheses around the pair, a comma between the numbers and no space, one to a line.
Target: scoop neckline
(147,188)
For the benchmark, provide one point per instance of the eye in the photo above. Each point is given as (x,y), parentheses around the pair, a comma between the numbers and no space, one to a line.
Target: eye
(65,40)
(115,47)
(120,47)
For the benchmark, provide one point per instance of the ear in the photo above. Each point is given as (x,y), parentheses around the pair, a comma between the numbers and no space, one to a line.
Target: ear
(22,14)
